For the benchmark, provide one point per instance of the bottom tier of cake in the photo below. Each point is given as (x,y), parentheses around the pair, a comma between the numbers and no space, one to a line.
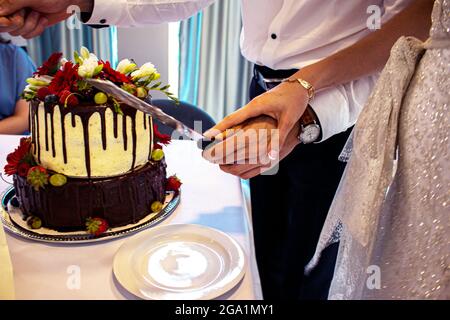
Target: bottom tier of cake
(119,200)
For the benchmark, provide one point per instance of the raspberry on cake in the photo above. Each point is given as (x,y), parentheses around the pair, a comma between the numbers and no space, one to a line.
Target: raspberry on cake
(89,155)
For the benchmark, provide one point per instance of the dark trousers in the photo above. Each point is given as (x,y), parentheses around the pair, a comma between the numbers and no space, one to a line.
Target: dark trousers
(289,210)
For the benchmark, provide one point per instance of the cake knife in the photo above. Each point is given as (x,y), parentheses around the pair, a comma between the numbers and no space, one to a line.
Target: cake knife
(141,105)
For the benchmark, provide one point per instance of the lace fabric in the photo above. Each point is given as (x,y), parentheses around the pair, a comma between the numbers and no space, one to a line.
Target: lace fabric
(394,215)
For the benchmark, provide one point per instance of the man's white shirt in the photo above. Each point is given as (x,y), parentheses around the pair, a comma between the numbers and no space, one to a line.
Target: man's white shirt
(281,34)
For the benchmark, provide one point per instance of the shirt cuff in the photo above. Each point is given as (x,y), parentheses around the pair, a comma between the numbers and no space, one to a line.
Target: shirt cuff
(107,12)
(331,108)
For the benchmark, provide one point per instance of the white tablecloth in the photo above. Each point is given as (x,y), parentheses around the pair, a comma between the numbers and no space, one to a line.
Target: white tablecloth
(209,197)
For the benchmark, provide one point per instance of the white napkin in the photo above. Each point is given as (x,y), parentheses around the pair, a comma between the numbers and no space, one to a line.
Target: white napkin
(6,271)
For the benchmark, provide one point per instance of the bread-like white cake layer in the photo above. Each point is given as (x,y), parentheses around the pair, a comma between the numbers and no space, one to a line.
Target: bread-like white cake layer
(112,160)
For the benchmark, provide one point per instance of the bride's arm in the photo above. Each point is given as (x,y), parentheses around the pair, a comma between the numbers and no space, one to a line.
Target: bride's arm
(370,54)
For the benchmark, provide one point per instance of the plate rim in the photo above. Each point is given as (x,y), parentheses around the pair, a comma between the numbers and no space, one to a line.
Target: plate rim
(211,294)
(18,230)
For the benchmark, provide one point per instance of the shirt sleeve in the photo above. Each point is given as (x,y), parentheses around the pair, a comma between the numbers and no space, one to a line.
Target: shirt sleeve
(338,108)
(126,13)
(24,69)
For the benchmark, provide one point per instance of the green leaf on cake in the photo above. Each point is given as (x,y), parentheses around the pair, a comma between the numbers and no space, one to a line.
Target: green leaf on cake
(116,106)
(77,58)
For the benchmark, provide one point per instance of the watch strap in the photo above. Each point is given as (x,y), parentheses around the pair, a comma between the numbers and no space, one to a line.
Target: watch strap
(308,117)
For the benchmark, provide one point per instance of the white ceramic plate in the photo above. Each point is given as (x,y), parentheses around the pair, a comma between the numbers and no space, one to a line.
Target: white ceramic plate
(180,262)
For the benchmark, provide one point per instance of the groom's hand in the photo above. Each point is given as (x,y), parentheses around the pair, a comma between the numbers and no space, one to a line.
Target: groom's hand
(248,171)
(247,149)
(247,142)
(285,103)
(29,18)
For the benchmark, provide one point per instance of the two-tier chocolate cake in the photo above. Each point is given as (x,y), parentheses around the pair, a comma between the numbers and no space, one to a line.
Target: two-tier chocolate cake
(91,161)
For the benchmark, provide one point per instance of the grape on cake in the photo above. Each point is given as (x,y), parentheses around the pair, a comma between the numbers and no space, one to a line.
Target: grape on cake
(91,162)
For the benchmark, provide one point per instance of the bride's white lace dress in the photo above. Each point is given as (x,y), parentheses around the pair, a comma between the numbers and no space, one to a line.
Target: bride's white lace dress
(392,209)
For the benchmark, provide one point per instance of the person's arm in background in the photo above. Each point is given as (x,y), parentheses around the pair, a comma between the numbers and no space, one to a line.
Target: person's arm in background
(287,102)
(18,122)
(17,19)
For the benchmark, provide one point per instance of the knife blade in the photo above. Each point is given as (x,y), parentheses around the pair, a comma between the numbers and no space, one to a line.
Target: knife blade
(141,105)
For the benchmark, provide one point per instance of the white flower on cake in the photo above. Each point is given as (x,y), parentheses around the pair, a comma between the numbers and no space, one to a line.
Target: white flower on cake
(89,68)
(62,62)
(34,84)
(84,52)
(144,72)
(126,66)
(38,82)
(56,78)
(89,65)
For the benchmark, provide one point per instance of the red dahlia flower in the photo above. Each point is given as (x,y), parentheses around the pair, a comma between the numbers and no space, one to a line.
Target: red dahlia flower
(15,158)
(112,75)
(22,169)
(66,79)
(50,67)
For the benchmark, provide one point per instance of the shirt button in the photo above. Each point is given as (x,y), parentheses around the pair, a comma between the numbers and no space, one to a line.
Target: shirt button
(103,21)
(273,36)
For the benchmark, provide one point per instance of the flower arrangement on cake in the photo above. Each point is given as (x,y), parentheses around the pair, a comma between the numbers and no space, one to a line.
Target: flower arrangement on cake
(91,162)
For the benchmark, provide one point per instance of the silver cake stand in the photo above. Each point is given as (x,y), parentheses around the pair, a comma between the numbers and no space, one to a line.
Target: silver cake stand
(12,218)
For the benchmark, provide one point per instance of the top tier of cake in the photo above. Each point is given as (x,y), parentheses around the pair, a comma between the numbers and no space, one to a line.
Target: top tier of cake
(90,141)
(81,132)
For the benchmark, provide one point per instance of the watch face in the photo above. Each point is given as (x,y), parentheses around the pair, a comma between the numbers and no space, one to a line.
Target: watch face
(310,134)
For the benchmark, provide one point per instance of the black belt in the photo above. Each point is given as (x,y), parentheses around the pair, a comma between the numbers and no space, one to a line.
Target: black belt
(268,78)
